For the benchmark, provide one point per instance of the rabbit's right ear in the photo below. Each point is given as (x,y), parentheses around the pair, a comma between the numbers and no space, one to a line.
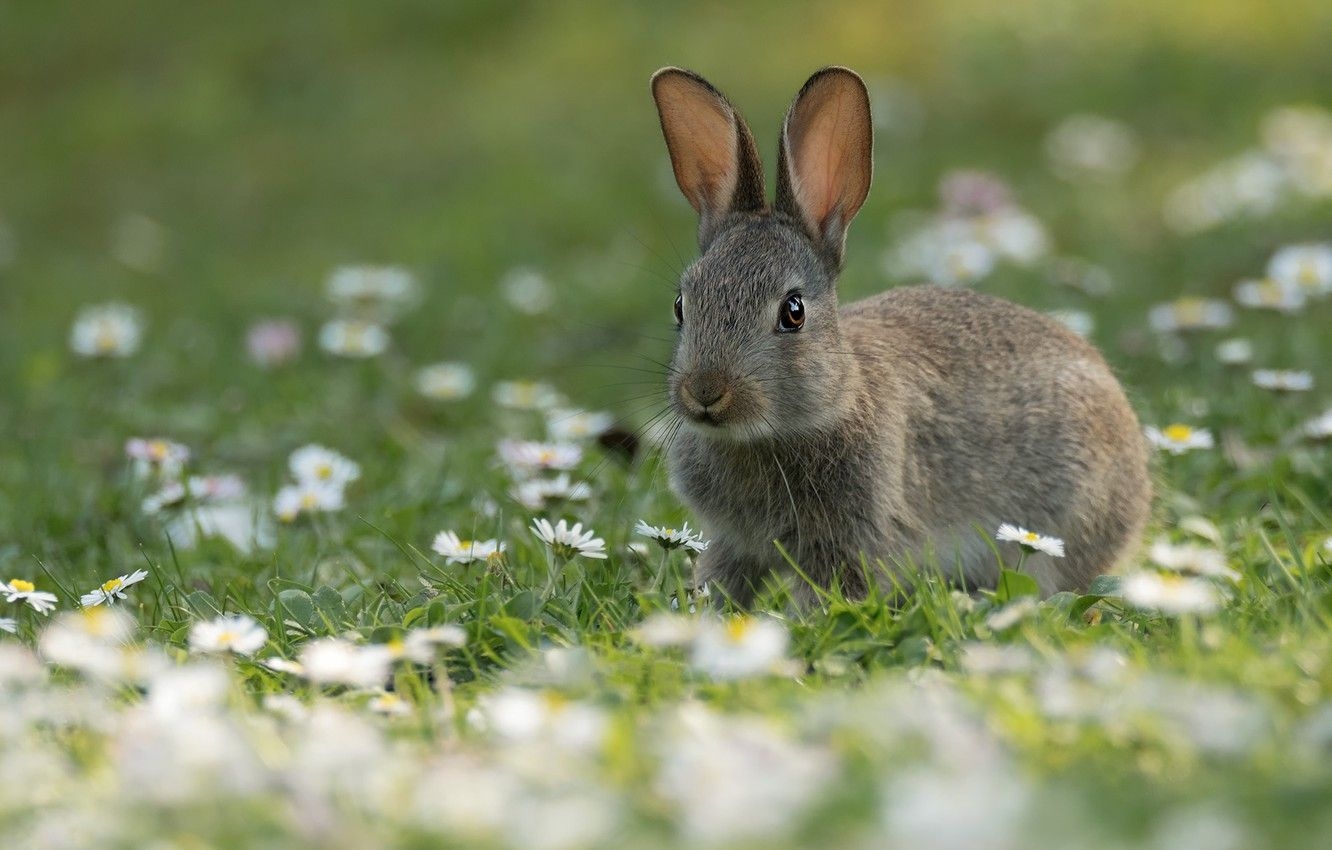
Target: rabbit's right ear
(712,151)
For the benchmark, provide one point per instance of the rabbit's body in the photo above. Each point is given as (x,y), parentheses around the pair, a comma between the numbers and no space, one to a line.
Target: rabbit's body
(978,411)
(890,435)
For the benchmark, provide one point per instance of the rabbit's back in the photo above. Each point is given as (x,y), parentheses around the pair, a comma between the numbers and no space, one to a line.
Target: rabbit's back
(1000,414)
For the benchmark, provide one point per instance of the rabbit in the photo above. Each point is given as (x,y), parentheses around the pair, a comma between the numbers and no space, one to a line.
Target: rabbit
(873,440)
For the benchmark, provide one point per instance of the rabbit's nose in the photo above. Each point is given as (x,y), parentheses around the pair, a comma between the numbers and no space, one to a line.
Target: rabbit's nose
(708,390)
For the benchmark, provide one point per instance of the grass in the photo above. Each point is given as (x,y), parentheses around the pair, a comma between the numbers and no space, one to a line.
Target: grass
(463,140)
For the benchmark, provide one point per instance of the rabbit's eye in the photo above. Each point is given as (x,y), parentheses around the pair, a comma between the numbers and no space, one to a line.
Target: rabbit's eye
(793,314)
(679,309)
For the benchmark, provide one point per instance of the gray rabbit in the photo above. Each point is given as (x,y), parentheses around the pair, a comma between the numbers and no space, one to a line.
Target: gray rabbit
(888,436)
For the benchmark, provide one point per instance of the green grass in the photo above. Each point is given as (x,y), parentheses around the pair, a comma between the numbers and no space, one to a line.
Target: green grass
(462,140)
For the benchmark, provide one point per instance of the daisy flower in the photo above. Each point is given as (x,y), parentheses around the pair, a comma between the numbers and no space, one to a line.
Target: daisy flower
(526,290)
(156,456)
(525,395)
(315,464)
(1014,234)
(1011,614)
(739,647)
(112,589)
(9,624)
(353,338)
(1283,380)
(565,425)
(522,456)
(537,493)
(236,633)
(1269,294)
(457,551)
(1170,594)
(1091,146)
(1234,352)
(107,330)
(1320,428)
(672,538)
(567,541)
(20,590)
(445,381)
(308,497)
(1190,558)
(1191,314)
(334,661)
(1179,438)
(389,705)
(1307,266)
(1030,540)
(381,291)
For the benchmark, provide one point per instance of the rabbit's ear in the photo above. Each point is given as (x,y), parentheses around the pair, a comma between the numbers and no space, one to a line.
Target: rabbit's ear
(826,157)
(712,151)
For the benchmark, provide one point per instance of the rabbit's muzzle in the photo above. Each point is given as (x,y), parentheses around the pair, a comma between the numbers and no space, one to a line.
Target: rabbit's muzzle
(706,396)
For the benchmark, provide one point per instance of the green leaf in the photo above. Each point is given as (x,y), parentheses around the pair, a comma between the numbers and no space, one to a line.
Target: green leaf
(330,604)
(297,605)
(203,603)
(1013,585)
(1106,586)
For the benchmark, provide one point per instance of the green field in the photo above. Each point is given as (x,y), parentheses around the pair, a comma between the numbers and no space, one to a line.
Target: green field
(214,167)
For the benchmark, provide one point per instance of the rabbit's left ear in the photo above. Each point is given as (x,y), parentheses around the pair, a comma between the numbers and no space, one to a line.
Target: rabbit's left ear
(826,159)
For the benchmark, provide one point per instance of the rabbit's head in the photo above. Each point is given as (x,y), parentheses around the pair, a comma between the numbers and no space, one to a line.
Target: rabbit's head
(758,350)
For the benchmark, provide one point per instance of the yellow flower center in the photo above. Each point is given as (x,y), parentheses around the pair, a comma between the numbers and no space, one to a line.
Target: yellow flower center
(1190,311)
(157,450)
(309,501)
(226,637)
(106,339)
(324,470)
(1307,275)
(22,586)
(555,702)
(1030,537)
(737,628)
(396,647)
(111,585)
(1178,433)
(546,456)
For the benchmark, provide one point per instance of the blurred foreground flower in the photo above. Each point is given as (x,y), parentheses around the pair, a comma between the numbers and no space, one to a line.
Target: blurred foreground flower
(1308,267)
(527,290)
(238,633)
(273,342)
(107,330)
(524,457)
(1191,314)
(1170,594)
(1270,294)
(316,464)
(376,294)
(568,542)
(156,456)
(525,395)
(112,589)
(1283,380)
(565,425)
(1319,428)
(334,661)
(1179,438)
(1234,352)
(740,647)
(9,624)
(308,497)
(1030,541)
(1191,558)
(1091,147)
(538,493)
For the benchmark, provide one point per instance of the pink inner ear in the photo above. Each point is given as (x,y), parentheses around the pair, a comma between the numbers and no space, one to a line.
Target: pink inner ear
(828,139)
(701,138)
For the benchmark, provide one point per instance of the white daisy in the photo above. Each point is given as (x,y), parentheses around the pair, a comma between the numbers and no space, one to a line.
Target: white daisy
(962,262)
(665,630)
(525,456)
(1270,294)
(672,538)
(107,330)
(1179,438)
(156,456)
(21,590)
(308,497)
(1091,146)
(1191,314)
(1170,594)
(389,705)
(537,493)
(565,425)
(236,633)
(112,589)
(9,624)
(334,661)
(380,291)
(1014,234)
(1030,540)
(525,395)
(1005,618)
(445,381)
(1283,380)
(1319,428)
(1308,267)
(315,464)
(353,338)
(527,290)
(1191,558)
(739,647)
(567,541)
(457,551)
(1234,352)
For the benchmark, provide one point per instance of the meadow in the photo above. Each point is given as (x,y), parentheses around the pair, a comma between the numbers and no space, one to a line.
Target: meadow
(331,366)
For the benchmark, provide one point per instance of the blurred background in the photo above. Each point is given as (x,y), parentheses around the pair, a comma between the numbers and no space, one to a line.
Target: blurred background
(213,164)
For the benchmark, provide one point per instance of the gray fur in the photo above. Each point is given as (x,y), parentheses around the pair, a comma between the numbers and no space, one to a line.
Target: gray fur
(890,434)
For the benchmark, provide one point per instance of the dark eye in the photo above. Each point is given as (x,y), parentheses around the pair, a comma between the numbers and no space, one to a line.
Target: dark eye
(679,309)
(792,316)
